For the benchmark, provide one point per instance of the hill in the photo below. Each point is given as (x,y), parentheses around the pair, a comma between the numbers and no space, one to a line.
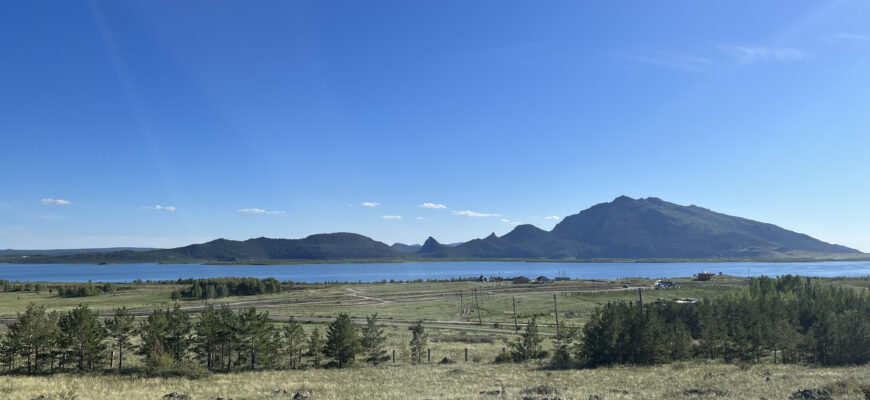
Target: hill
(624,228)
(651,228)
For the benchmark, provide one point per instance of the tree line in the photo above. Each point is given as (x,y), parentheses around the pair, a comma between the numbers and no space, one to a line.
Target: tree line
(213,288)
(62,290)
(789,319)
(172,342)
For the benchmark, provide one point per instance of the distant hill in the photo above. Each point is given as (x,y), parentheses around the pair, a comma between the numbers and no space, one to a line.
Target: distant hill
(624,228)
(62,252)
(648,228)
(406,248)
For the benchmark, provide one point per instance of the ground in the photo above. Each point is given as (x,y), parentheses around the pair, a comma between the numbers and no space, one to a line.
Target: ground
(454,328)
(464,381)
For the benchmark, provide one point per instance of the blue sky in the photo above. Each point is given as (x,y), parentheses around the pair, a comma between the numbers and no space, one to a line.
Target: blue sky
(503,112)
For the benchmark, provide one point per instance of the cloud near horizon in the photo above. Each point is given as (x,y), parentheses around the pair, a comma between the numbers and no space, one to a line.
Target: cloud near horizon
(749,54)
(468,213)
(370,204)
(259,211)
(552,217)
(851,36)
(432,205)
(391,216)
(159,207)
(55,202)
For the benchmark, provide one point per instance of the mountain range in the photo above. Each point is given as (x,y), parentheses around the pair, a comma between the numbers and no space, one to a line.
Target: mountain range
(624,228)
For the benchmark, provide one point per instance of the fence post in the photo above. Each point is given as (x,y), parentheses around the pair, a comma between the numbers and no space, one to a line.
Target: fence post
(428,355)
(394,356)
(466,354)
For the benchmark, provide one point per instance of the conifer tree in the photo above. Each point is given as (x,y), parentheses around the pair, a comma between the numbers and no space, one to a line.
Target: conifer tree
(120,328)
(528,345)
(342,341)
(419,342)
(373,341)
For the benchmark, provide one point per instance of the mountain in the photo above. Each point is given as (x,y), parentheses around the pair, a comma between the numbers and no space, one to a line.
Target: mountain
(327,246)
(648,228)
(406,248)
(61,252)
(624,228)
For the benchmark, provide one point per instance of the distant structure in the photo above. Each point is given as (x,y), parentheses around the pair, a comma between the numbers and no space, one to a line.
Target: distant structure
(561,278)
(542,279)
(705,276)
(665,285)
(521,279)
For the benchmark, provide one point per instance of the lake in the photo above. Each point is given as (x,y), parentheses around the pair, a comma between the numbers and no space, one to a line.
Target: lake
(418,270)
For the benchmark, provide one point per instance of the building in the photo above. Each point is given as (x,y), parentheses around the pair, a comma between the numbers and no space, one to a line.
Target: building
(542,279)
(522,279)
(562,278)
(705,276)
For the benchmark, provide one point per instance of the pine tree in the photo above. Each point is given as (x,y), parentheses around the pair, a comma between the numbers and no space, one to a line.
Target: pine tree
(293,341)
(82,336)
(342,342)
(563,344)
(120,328)
(316,345)
(256,333)
(373,341)
(419,339)
(528,345)
(30,336)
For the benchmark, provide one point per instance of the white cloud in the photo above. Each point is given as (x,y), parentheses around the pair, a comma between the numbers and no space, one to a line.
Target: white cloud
(683,62)
(749,54)
(259,211)
(55,202)
(159,207)
(474,214)
(370,204)
(552,217)
(432,205)
(391,216)
(505,220)
(851,36)
(419,218)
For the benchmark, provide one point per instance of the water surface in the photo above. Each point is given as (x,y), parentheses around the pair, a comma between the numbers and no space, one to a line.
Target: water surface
(371,272)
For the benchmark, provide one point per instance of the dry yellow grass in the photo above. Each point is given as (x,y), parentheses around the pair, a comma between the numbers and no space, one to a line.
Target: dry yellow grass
(463,381)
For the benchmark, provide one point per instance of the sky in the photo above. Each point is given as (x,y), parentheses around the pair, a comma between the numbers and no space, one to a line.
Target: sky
(164,123)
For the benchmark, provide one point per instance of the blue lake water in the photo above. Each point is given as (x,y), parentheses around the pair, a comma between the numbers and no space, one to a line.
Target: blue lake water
(418,270)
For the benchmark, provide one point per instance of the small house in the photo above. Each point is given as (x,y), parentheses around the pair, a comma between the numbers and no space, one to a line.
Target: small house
(542,279)
(562,278)
(705,276)
(521,279)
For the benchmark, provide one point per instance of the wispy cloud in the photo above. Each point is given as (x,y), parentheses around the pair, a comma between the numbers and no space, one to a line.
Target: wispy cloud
(552,217)
(432,205)
(419,218)
(370,204)
(56,202)
(259,211)
(507,221)
(851,36)
(467,213)
(749,54)
(391,216)
(677,61)
(159,207)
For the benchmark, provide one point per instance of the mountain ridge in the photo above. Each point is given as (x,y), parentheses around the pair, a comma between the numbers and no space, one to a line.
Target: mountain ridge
(625,228)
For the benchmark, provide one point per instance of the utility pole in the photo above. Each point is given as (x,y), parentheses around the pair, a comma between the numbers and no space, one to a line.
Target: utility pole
(556,308)
(640,300)
(479,321)
(461,307)
(516,326)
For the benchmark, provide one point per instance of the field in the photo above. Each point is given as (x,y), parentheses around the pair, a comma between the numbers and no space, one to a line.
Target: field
(455,328)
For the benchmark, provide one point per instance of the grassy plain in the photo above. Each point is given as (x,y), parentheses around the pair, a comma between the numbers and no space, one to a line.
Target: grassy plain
(453,328)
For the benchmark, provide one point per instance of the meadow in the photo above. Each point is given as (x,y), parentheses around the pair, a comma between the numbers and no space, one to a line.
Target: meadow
(480,325)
